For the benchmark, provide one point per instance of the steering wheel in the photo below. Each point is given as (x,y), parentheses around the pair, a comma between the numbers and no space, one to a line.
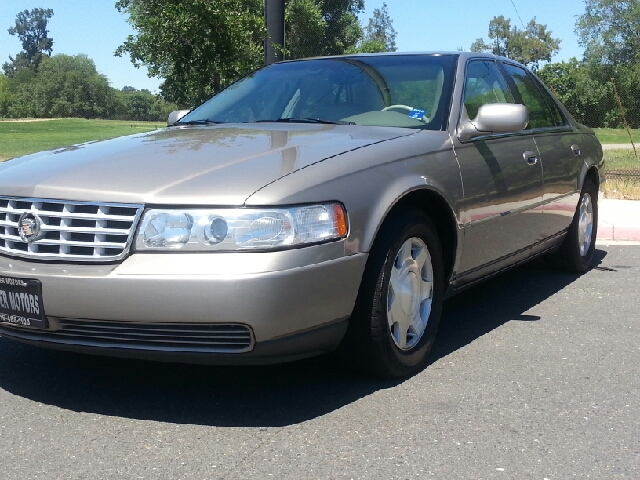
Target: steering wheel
(398,107)
(403,107)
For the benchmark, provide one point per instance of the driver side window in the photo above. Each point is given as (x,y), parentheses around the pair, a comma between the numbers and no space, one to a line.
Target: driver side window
(484,84)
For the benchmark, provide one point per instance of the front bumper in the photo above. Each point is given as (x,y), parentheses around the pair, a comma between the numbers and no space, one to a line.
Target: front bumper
(294,303)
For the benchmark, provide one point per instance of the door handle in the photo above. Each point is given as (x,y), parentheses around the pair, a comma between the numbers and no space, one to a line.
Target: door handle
(575,149)
(530,157)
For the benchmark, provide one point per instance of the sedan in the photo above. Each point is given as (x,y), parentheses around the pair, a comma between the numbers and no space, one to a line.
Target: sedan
(316,205)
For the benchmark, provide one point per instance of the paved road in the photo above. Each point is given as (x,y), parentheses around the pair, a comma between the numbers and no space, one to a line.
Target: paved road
(617,146)
(535,375)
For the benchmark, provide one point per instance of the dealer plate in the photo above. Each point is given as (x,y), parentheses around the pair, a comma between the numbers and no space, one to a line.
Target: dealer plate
(21,303)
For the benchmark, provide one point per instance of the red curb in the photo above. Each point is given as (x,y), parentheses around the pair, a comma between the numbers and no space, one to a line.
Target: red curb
(611,232)
(626,233)
(605,232)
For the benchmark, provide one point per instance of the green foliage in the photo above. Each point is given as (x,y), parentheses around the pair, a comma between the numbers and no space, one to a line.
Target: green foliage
(609,30)
(315,28)
(371,46)
(587,90)
(305,25)
(530,46)
(343,30)
(588,99)
(380,29)
(70,86)
(5,96)
(67,86)
(31,28)
(41,86)
(197,46)
(142,105)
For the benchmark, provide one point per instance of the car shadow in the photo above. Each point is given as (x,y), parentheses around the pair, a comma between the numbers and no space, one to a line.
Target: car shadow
(263,396)
(485,307)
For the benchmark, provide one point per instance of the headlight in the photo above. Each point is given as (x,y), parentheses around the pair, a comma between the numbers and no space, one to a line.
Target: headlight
(240,228)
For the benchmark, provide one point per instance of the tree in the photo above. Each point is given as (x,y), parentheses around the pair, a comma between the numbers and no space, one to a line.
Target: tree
(609,30)
(576,85)
(196,46)
(64,86)
(200,46)
(343,30)
(530,46)
(31,28)
(305,29)
(371,46)
(5,96)
(317,28)
(142,105)
(380,29)
(321,27)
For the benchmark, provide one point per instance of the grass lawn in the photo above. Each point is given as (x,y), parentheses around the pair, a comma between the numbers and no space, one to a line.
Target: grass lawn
(617,135)
(22,138)
(623,187)
(621,159)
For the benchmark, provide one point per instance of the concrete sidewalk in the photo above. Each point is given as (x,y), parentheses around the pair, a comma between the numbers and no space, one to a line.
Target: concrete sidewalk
(618,146)
(618,220)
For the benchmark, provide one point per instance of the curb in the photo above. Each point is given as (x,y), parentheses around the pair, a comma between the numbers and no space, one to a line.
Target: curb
(619,220)
(607,231)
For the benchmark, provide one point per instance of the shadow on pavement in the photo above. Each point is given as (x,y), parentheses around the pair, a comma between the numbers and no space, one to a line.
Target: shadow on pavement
(254,396)
(477,311)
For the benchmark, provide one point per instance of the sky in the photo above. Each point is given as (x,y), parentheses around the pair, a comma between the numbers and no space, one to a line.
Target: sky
(96,28)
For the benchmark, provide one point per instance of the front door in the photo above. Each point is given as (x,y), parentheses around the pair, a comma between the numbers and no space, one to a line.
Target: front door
(502,180)
(560,152)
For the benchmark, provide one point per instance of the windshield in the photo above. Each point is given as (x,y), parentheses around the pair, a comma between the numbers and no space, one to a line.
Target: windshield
(411,91)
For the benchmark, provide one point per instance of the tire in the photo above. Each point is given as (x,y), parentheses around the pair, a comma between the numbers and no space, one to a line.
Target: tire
(404,273)
(578,247)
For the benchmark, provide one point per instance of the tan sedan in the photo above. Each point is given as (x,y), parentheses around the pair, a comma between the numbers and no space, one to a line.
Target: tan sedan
(313,205)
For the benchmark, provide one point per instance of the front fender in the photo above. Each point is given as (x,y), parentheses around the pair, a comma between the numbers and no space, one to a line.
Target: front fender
(371,181)
(593,157)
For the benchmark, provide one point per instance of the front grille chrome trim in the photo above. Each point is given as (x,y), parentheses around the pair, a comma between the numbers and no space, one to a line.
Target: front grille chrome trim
(71,231)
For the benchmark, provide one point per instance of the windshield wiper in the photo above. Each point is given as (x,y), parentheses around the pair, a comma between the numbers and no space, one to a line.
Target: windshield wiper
(196,122)
(308,120)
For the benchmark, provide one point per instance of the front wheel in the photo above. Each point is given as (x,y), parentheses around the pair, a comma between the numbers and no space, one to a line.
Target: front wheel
(578,248)
(398,308)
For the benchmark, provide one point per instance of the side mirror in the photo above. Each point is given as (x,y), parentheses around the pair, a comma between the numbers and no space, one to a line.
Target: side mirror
(175,116)
(494,118)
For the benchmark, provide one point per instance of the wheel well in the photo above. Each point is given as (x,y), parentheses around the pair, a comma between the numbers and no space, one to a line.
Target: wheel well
(438,210)
(592,174)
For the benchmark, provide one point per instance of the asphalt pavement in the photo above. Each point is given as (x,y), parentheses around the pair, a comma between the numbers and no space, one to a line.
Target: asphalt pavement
(535,375)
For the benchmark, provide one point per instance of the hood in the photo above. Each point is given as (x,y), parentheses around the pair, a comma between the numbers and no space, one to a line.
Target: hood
(192,165)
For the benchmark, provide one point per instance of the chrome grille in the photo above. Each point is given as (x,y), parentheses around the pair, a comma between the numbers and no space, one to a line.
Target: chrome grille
(77,231)
(177,337)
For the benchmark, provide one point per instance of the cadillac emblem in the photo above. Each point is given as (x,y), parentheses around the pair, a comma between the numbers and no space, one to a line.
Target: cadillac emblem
(29,227)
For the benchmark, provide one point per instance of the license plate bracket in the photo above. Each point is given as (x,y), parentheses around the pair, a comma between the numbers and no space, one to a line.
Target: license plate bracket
(21,303)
